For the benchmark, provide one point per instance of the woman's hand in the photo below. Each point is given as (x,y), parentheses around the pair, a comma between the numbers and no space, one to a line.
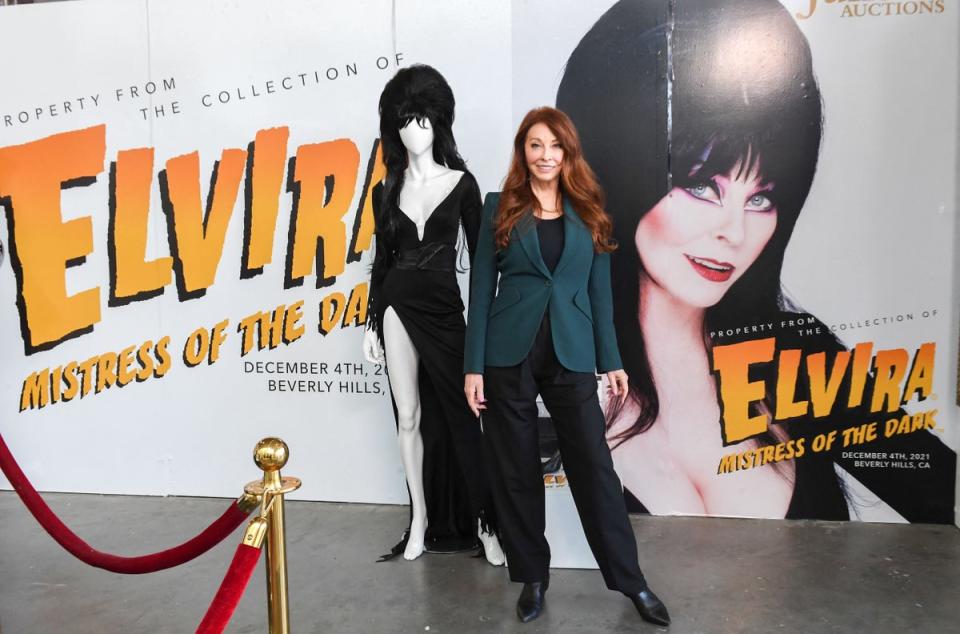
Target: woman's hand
(617,384)
(473,389)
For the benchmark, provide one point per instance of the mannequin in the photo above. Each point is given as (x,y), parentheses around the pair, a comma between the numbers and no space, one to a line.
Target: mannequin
(416,321)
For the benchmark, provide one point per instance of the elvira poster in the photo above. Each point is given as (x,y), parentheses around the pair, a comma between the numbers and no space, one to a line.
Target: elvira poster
(185,193)
(781,181)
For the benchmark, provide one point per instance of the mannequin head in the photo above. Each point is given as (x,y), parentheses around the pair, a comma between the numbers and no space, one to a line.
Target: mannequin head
(416,116)
(417,136)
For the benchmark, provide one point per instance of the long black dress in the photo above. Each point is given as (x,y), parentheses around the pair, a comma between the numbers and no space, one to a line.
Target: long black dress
(418,279)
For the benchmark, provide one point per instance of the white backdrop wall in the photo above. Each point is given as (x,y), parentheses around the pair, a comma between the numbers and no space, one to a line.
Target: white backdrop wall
(876,236)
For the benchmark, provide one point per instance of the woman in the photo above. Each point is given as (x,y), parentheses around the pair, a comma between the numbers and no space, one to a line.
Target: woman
(548,238)
(417,315)
(706,135)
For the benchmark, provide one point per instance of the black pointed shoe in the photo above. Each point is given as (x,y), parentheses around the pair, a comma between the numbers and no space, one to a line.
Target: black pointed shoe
(530,603)
(650,607)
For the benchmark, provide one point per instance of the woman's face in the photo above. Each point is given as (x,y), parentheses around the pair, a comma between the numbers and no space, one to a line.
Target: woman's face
(698,240)
(543,154)
(417,136)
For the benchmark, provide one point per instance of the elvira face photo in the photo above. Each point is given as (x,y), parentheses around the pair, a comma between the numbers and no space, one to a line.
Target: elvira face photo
(706,137)
(718,226)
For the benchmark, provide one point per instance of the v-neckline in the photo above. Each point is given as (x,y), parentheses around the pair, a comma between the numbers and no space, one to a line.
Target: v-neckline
(432,213)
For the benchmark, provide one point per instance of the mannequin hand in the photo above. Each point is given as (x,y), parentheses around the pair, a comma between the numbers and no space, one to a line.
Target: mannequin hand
(473,388)
(371,347)
(617,384)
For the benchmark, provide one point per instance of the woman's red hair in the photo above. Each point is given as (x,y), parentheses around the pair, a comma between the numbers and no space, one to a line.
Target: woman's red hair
(578,184)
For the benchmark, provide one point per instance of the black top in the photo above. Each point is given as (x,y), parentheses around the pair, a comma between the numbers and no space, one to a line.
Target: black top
(418,275)
(550,233)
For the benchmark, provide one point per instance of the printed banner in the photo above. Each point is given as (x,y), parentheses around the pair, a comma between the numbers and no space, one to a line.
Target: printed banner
(187,216)
(782,182)
(187,225)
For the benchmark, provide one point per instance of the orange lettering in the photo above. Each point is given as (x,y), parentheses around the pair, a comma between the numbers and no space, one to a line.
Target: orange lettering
(891,367)
(737,391)
(131,278)
(921,374)
(262,201)
(786,386)
(196,238)
(363,224)
(43,246)
(823,392)
(325,175)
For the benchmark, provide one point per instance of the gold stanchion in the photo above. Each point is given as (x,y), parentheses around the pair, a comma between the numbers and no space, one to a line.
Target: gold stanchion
(271,455)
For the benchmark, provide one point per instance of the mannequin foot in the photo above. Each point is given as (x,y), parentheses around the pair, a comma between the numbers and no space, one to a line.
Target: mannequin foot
(530,603)
(415,545)
(491,548)
(650,607)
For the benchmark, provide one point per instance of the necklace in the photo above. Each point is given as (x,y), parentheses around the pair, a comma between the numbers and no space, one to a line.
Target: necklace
(540,216)
(539,206)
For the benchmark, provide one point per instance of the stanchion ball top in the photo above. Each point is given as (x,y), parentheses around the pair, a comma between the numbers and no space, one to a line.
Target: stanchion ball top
(271,454)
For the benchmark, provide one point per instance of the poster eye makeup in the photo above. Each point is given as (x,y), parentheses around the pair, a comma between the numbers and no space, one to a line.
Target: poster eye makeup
(759,202)
(705,191)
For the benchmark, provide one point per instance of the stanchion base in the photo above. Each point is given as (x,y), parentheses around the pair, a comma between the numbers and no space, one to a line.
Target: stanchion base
(287,485)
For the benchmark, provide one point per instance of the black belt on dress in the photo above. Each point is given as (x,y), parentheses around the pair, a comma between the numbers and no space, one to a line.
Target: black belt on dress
(433,256)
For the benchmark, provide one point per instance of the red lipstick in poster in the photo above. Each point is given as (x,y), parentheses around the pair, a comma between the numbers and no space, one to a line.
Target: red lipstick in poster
(711,269)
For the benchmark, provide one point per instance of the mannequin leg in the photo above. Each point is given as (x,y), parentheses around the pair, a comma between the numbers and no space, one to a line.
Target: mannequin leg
(402,362)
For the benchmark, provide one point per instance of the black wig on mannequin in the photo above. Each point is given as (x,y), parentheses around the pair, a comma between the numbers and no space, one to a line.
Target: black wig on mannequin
(417,92)
(664,92)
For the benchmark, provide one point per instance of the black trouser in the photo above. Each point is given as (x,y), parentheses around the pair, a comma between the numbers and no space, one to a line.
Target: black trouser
(510,429)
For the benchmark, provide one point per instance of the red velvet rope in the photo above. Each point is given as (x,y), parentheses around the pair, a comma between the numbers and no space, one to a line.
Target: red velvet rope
(210,537)
(231,590)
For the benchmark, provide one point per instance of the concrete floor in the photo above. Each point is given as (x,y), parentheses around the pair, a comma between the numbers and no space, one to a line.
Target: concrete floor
(715,576)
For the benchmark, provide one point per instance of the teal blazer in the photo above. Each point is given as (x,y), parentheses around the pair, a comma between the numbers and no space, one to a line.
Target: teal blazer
(501,328)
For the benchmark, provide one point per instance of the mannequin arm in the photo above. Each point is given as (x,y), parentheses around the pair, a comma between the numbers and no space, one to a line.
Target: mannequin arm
(471,216)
